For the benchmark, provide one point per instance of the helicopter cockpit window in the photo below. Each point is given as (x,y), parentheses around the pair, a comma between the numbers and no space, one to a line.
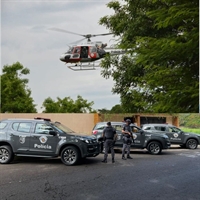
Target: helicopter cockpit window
(77,50)
(70,50)
(93,49)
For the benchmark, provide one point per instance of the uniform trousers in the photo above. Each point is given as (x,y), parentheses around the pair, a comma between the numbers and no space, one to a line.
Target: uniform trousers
(108,144)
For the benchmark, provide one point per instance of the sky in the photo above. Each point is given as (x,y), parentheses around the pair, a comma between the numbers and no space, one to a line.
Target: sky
(26,38)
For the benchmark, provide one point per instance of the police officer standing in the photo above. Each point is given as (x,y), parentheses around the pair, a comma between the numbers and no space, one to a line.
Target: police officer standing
(109,135)
(127,139)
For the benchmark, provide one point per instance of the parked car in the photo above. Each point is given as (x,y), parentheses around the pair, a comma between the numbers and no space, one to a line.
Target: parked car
(154,143)
(176,135)
(44,138)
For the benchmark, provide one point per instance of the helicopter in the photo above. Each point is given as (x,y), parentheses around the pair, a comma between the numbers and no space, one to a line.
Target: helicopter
(83,56)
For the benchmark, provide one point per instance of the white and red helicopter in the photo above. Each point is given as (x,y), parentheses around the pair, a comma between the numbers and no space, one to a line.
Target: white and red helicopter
(83,56)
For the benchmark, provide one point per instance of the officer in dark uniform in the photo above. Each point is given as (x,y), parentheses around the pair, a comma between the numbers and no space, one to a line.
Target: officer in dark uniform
(109,135)
(127,139)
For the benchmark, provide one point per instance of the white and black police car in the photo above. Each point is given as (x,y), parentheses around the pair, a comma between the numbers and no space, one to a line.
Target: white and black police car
(154,143)
(43,138)
(176,135)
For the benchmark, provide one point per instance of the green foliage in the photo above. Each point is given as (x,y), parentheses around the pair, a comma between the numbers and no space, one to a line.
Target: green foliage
(190,120)
(103,111)
(15,95)
(117,109)
(114,110)
(160,71)
(191,130)
(67,105)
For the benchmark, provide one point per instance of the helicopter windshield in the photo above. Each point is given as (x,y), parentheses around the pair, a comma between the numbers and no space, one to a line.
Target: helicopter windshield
(93,49)
(70,50)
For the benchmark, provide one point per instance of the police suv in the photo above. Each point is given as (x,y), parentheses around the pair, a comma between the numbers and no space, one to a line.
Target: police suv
(176,135)
(43,138)
(154,143)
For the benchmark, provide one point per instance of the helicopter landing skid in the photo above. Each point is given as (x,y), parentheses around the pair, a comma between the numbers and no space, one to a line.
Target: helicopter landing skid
(83,66)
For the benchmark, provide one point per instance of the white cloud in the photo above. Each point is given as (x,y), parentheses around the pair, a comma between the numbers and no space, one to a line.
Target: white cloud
(26,38)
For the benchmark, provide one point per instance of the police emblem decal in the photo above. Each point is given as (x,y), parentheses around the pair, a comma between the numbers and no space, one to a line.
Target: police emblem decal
(43,139)
(134,136)
(175,135)
(22,139)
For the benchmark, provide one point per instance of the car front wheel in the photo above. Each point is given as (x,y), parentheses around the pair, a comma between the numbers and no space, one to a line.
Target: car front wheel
(191,144)
(154,148)
(6,154)
(70,155)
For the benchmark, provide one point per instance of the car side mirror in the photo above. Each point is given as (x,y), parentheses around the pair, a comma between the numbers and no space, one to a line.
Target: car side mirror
(52,133)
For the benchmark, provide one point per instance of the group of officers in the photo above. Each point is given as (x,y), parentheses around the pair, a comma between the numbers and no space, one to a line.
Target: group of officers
(110,136)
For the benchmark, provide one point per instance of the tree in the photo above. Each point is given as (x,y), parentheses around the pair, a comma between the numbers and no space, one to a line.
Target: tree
(117,109)
(104,111)
(190,120)
(160,72)
(67,105)
(15,94)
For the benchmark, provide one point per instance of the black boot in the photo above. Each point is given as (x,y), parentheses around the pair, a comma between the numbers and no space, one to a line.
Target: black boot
(123,158)
(104,161)
(113,161)
(129,157)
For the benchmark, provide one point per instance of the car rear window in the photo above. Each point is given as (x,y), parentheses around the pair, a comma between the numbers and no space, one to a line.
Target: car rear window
(102,126)
(22,127)
(99,127)
(160,128)
(117,127)
(3,125)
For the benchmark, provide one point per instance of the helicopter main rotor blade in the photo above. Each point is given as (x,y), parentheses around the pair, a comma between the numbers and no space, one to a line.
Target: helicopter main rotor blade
(102,34)
(94,35)
(75,42)
(64,31)
(88,36)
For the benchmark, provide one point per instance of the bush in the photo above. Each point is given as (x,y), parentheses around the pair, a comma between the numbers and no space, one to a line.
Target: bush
(190,120)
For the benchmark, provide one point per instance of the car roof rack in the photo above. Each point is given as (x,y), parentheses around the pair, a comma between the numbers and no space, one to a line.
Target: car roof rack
(45,119)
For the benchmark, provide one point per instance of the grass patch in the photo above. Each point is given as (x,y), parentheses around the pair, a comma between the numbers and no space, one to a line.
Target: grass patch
(191,130)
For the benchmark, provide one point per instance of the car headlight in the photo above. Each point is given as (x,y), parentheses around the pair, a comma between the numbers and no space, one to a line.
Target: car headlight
(86,140)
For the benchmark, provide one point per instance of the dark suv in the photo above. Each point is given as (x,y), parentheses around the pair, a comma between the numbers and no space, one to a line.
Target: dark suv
(44,138)
(176,135)
(154,143)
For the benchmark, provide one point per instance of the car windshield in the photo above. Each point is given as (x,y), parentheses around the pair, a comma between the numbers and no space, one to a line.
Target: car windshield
(61,128)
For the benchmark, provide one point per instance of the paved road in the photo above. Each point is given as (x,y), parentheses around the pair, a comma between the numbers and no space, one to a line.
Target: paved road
(175,175)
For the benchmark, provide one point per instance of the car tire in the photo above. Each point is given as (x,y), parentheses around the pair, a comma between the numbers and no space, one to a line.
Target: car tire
(154,148)
(191,144)
(6,154)
(70,155)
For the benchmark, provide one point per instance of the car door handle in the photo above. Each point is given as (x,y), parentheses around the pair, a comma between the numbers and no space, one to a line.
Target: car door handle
(11,134)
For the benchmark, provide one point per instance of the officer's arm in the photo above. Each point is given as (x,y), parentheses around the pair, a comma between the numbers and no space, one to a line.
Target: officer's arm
(103,134)
(125,132)
(115,135)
